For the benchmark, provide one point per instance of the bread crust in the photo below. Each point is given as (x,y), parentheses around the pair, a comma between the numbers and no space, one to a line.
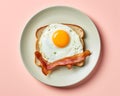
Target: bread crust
(79,30)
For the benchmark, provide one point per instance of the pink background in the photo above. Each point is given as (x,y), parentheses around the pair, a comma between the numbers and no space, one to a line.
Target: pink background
(15,79)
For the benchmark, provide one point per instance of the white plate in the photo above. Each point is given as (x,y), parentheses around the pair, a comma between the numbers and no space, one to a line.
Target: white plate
(60,14)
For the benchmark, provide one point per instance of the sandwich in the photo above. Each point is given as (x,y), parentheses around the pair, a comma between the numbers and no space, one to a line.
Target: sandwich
(60,45)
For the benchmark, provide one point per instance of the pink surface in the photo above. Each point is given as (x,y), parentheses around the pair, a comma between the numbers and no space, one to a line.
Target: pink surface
(15,79)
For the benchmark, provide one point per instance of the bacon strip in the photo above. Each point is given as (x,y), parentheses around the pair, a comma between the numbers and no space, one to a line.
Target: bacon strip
(43,62)
(69,60)
(46,67)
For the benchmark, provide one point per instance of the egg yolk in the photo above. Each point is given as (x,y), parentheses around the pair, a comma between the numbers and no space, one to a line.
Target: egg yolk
(61,38)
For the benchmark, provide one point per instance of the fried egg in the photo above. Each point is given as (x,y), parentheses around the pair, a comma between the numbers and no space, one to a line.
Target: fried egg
(59,41)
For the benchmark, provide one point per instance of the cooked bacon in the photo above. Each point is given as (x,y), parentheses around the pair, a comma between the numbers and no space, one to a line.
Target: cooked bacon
(68,61)
(43,62)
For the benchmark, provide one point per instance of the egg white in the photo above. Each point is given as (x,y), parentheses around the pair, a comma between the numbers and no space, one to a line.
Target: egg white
(50,51)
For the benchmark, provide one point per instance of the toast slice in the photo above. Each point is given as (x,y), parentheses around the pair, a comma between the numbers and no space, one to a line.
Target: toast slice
(76,28)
